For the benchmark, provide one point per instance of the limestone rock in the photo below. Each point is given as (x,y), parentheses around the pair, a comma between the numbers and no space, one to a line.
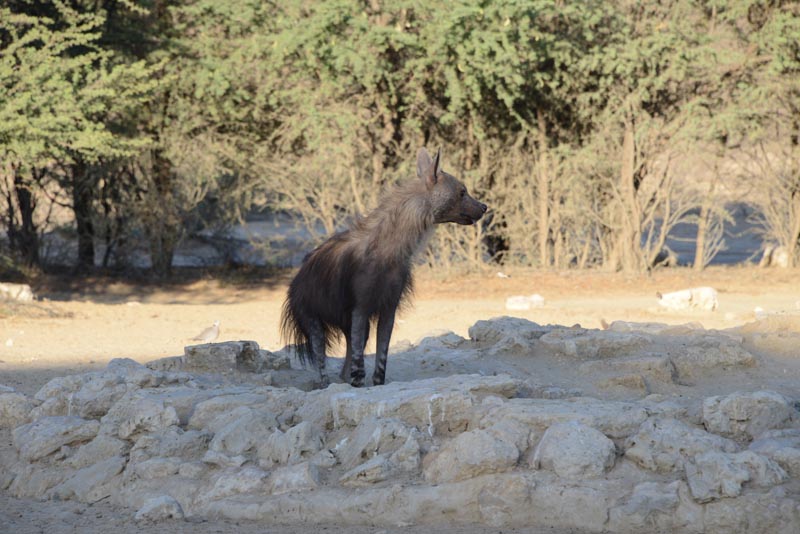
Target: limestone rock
(371,437)
(148,415)
(753,513)
(159,509)
(48,434)
(470,454)
(298,477)
(663,445)
(219,357)
(404,460)
(708,351)
(102,447)
(713,475)
(699,298)
(296,444)
(15,409)
(574,450)
(236,481)
(171,442)
(746,415)
(654,368)
(222,404)
(586,344)
(16,292)
(657,507)
(93,482)
(782,446)
(507,335)
(438,405)
(245,430)
(615,419)
(157,468)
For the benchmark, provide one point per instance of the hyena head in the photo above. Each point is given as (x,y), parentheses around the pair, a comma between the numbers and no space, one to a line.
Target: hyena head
(450,201)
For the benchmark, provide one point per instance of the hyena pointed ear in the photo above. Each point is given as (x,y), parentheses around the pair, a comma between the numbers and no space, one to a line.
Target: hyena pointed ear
(427,169)
(437,162)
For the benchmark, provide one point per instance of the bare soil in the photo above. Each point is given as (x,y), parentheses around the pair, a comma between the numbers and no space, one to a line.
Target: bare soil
(77,326)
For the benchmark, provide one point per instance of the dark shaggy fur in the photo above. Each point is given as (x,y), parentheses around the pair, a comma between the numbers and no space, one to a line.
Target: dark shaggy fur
(361,275)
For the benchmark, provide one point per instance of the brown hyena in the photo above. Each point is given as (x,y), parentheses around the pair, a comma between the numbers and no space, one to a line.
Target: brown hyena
(363,273)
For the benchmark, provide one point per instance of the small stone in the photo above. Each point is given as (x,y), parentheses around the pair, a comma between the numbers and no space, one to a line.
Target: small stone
(159,509)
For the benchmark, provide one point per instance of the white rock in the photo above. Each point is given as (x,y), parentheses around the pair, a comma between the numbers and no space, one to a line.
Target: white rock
(172,441)
(746,415)
(521,302)
(48,434)
(157,468)
(703,352)
(92,483)
(15,409)
(298,477)
(470,454)
(17,292)
(233,481)
(438,405)
(702,298)
(295,445)
(223,460)
(148,415)
(590,344)
(222,404)
(781,446)
(574,450)
(754,513)
(613,418)
(507,335)
(713,475)
(386,466)
(219,357)
(245,430)
(663,445)
(100,448)
(657,507)
(371,437)
(159,509)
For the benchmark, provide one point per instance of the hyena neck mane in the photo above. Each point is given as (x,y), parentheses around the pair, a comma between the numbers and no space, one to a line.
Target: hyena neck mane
(400,225)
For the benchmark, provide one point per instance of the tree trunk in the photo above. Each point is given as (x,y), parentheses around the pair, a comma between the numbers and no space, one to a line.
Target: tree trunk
(82,196)
(24,238)
(702,225)
(166,226)
(543,192)
(631,234)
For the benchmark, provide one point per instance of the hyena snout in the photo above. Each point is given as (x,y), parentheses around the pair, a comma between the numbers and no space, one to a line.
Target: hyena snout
(473,210)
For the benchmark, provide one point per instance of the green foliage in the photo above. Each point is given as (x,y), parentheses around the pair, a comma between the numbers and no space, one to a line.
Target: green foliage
(161,119)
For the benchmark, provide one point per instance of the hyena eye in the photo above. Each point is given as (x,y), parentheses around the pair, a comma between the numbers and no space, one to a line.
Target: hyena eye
(463,192)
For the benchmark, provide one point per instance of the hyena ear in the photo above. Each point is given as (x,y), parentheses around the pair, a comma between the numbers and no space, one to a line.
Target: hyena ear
(437,162)
(427,169)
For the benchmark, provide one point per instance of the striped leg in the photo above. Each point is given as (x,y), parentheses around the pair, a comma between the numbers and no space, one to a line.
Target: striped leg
(358,338)
(348,358)
(385,326)
(317,338)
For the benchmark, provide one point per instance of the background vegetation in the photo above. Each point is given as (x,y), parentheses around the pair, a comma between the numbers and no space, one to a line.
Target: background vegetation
(591,128)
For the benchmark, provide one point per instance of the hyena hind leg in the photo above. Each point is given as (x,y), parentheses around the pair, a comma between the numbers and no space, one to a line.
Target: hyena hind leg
(317,337)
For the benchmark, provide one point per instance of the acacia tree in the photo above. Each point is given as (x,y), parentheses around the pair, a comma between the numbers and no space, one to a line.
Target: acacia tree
(57,84)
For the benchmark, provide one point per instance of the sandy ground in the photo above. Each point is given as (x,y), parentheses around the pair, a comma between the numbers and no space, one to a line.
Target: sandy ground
(81,325)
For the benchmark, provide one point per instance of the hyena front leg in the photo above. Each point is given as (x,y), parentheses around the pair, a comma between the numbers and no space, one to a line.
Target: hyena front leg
(316,335)
(358,338)
(385,326)
(348,358)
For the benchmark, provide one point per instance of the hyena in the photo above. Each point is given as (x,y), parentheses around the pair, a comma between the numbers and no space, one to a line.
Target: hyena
(362,274)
